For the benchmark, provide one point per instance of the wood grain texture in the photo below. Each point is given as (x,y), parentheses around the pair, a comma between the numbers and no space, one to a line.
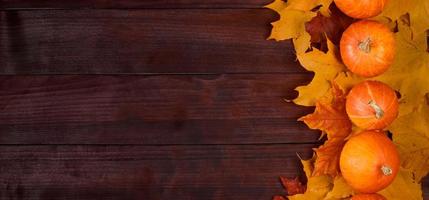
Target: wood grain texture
(213,172)
(198,115)
(68,4)
(142,172)
(142,41)
(167,109)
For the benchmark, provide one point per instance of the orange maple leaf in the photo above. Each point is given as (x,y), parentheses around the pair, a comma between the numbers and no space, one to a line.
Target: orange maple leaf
(328,157)
(330,117)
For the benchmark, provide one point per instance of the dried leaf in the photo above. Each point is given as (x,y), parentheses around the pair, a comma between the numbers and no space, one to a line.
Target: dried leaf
(291,24)
(410,70)
(340,190)
(317,186)
(307,166)
(325,66)
(403,187)
(293,186)
(293,16)
(279,198)
(331,26)
(330,117)
(310,5)
(277,5)
(411,134)
(417,9)
(347,80)
(328,157)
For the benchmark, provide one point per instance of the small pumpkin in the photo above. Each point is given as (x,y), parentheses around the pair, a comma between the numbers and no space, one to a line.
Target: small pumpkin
(361,8)
(369,162)
(372,105)
(368,197)
(367,48)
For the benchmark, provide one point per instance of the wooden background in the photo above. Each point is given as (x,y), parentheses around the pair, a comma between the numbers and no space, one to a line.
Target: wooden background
(146,99)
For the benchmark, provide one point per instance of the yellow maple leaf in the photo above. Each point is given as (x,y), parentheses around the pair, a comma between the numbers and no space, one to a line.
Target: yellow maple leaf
(403,187)
(302,5)
(326,66)
(394,9)
(291,24)
(317,186)
(308,5)
(307,166)
(277,5)
(340,190)
(411,135)
(417,9)
(347,80)
(410,68)
(294,14)
(322,187)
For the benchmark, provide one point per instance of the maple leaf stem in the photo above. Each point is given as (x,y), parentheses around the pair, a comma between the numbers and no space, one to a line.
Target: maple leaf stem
(379,113)
(387,171)
(365,45)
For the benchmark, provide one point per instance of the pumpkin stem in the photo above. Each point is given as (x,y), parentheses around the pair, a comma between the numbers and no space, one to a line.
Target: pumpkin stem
(379,113)
(365,45)
(387,171)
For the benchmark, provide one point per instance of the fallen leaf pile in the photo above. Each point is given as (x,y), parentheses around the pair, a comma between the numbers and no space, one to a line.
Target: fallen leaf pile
(315,28)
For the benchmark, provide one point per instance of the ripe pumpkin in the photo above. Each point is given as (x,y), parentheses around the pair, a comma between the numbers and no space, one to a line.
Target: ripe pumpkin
(372,105)
(368,197)
(361,8)
(367,48)
(369,161)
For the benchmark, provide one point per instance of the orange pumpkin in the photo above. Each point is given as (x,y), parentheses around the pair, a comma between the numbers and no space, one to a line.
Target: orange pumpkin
(361,8)
(368,197)
(372,105)
(369,162)
(367,48)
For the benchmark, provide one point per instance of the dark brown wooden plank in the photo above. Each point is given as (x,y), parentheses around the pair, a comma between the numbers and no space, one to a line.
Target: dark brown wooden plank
(141,41)
(236,172)
(164,109)
(172,172)
(65,4)
(147,172)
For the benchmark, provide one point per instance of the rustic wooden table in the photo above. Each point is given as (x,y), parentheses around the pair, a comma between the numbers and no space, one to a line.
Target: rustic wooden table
(151,99)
